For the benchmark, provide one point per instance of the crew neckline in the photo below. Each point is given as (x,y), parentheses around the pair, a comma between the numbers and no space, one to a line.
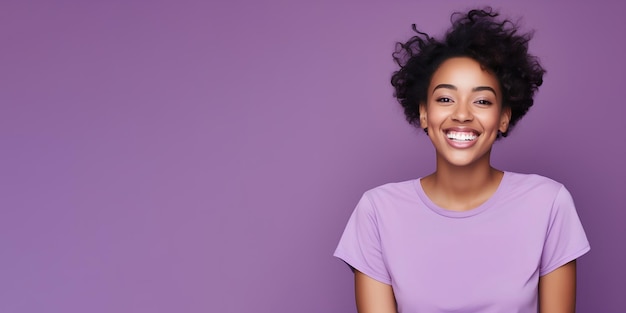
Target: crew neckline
(460,214)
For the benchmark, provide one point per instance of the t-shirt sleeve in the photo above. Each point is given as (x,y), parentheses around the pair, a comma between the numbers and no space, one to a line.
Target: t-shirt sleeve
(360,245)
(565,239)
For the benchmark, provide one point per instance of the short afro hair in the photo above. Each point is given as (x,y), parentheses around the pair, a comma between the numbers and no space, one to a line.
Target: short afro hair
(495,44)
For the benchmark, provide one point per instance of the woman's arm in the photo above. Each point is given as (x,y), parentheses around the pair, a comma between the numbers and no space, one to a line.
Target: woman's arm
(557,290)
(373,296)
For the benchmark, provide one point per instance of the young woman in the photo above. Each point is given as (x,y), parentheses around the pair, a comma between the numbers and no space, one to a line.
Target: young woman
(468,237)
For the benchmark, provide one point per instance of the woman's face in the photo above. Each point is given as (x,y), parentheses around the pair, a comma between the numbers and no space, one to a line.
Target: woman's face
(463,112)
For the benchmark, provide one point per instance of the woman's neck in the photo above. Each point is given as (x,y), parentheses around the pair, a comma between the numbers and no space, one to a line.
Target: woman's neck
(461,188)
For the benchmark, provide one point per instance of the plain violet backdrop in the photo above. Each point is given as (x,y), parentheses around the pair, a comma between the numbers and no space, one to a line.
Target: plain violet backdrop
(204,156)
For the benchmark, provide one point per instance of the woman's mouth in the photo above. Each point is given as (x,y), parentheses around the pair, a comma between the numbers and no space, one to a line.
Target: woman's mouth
(461,136)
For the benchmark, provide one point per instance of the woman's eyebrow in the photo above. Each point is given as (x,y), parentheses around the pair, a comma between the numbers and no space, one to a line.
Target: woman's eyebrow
(475,89)
(481,88)
(447,86)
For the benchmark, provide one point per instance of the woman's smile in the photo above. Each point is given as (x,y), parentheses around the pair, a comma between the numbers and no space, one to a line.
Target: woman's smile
(463,112)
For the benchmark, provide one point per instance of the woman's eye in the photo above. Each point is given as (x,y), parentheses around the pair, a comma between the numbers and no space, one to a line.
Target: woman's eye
(483,102)
(444,100)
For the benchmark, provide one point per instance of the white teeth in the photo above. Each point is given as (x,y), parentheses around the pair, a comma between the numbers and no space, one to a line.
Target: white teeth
(461,136)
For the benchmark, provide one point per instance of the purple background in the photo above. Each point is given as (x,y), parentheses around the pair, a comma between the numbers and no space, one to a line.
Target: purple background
(165,156)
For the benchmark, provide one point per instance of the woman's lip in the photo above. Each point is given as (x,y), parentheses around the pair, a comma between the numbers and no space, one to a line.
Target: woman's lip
(461,130)
(461,144)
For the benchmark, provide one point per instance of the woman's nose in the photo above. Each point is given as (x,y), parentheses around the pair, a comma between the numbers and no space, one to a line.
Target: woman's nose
(462,113)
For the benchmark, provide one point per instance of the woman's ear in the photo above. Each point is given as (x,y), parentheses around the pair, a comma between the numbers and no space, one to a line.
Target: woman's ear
(423,123)
(505,118)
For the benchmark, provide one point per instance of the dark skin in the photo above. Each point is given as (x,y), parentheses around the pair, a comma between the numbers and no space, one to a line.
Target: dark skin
(464,100)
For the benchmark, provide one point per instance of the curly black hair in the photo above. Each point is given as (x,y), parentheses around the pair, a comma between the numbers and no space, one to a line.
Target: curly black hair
(495,44)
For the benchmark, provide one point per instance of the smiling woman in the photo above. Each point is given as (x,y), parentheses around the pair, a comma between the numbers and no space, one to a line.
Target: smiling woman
(468,237)
(464,112)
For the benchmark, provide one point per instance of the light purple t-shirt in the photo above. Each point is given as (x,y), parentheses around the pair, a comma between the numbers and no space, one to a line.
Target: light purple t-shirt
(488,259)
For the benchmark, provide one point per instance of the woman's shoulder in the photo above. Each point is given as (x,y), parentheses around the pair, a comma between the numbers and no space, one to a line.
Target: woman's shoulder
(528,182)
(393,190)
